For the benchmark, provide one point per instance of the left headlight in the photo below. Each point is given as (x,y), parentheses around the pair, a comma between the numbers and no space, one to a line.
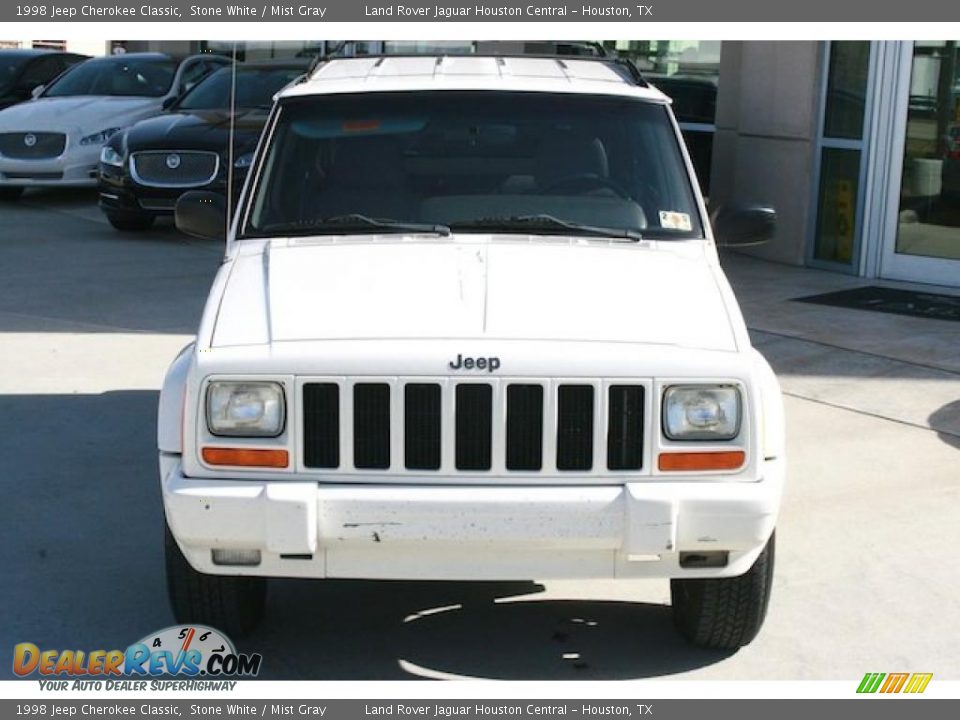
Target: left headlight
(701,412)
(245,409)
(109,156)
(101,137)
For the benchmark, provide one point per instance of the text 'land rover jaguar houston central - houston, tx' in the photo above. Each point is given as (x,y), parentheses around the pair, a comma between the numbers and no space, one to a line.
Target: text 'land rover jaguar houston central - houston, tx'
(471,325)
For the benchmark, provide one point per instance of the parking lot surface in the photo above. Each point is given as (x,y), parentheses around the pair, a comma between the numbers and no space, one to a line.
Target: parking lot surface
(866,576)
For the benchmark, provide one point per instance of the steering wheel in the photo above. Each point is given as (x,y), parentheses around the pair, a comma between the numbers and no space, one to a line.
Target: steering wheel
(584,183)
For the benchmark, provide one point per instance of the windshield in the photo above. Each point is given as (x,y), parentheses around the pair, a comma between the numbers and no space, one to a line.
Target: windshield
(9,67)
(255,88)
(537,163)
(144,77)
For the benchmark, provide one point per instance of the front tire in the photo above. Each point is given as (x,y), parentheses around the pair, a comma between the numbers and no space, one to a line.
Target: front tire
(724,613)
(10,193)
(130,223)
(234,605)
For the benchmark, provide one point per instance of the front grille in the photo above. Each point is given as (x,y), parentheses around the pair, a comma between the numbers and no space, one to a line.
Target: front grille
(32,146)
(432,426)
(175,168)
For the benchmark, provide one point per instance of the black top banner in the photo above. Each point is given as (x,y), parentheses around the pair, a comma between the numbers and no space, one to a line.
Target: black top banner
(481,11)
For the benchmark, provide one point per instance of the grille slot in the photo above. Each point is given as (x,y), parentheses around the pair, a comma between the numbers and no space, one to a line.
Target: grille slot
(474,425)
(524,427)
(371,426)
(575,427)
(321,425)
(192,168)
(625,427)
(41,145)
(421,416)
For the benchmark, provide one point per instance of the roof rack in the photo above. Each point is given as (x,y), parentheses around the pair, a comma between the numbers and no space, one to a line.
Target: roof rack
(626,67)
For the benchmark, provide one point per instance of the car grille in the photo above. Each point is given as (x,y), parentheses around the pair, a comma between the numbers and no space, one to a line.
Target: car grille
(32,146)
(507,426)
(180,168)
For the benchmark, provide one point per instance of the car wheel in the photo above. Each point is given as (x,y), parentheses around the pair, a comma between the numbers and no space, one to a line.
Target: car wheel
(724,613)
(130,222)
(10,193)
(234,605)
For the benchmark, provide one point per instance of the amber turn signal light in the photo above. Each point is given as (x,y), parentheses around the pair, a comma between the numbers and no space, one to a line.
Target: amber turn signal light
(699,461)
(246,457)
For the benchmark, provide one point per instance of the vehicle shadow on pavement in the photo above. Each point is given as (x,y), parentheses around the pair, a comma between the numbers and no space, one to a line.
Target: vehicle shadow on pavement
(358,630)
(947,416)
(81,537)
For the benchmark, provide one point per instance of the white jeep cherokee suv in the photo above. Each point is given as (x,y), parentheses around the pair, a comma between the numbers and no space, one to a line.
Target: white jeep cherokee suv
(471,325)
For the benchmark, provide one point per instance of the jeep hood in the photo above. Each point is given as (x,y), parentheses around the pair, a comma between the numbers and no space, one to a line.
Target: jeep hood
(538,289)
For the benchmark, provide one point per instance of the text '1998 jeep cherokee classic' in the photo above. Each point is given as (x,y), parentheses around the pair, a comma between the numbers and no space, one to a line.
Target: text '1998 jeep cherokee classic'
(471,325)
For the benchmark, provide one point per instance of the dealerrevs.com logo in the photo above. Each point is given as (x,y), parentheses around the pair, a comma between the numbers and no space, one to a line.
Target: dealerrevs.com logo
(190,651)
(888,683)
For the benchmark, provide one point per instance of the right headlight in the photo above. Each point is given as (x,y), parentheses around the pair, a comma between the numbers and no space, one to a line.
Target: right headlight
(245,409)
(109,156)
(701,412)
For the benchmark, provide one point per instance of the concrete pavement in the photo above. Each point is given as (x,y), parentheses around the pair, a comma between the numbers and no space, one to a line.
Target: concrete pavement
(866,570)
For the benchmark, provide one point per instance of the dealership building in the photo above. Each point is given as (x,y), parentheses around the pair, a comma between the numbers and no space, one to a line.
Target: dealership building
(856,143)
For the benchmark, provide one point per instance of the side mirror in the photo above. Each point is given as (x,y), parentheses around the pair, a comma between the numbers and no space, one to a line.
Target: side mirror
(168,102)
(740,224)
(202,214)
(35,93)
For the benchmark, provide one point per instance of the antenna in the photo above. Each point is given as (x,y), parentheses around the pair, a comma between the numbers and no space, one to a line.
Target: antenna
(233,120)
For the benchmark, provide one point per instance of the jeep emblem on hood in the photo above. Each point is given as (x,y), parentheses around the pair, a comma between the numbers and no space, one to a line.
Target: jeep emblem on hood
(489,364)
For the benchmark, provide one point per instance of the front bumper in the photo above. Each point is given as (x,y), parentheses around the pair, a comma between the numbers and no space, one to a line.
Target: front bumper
(340,530)
(76,167)
(120,195)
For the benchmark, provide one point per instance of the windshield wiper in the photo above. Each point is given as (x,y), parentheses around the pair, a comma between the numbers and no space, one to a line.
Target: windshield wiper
(545,223)
(353,224)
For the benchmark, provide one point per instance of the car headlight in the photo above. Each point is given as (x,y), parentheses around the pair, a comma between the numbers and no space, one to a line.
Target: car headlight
(244,161)
(109,156)
(245,409)
(701,412)
(101,137)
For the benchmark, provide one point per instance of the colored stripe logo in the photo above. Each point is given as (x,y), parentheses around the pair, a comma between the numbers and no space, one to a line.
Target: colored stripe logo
(914,683)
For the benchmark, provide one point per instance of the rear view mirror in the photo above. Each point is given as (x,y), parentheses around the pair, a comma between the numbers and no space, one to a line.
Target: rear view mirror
(202,214)
(168,102)
(35,93)
(743,224)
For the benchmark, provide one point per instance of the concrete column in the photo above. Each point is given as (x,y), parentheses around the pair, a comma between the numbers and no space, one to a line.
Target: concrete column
(763,151)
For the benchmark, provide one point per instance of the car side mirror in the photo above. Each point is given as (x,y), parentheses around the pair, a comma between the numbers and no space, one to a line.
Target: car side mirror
(743,224)
(202,214)
(35,93)
(168,102)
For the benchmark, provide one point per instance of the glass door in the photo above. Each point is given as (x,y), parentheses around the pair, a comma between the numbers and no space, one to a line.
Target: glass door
(923,243)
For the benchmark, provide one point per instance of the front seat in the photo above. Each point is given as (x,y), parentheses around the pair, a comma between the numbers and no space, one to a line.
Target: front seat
(568,157)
